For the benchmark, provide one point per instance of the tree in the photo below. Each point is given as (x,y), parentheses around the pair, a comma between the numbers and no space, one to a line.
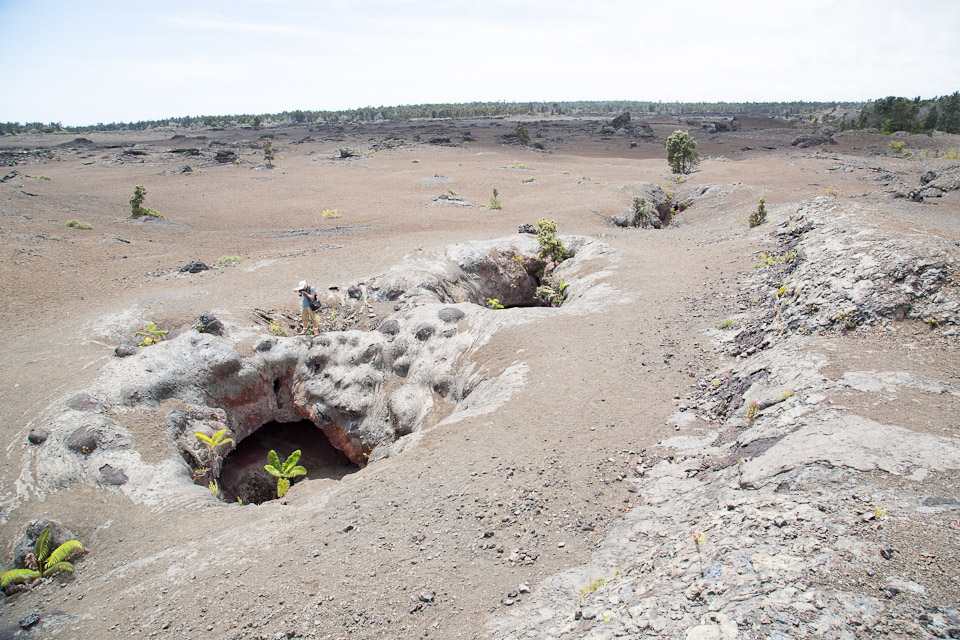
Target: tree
(682,152)
(523,135)
(268,152)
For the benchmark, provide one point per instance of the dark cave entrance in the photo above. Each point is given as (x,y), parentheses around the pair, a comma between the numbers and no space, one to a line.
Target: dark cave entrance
(243,476)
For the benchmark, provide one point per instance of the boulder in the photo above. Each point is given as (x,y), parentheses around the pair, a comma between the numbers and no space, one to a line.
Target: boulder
(38,436)
(209,323)
(225,156)
(194,267)
(28,539)
(82,441)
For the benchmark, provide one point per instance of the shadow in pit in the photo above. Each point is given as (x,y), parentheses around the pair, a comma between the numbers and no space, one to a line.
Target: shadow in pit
(243,475)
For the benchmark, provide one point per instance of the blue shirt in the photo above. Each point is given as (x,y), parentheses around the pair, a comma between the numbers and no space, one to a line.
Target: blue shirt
(304,300)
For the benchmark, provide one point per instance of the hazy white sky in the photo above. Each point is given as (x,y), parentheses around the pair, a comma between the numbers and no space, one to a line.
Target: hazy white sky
(87,62)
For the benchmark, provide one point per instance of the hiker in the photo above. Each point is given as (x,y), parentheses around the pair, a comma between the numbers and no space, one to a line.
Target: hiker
(308,296)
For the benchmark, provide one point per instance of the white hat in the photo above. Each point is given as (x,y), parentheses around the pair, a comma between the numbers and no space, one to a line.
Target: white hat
(302,285)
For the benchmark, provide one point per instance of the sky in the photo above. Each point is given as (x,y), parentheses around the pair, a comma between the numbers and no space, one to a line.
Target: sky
(80,63)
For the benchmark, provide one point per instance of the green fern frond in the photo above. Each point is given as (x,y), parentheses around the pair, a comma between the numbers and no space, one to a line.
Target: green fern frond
(64,551)
(273,460)
(283,485)
(298,470)
(272,471)
(204,438)
(42,548)
(57,567)
(15,576)
(291,461)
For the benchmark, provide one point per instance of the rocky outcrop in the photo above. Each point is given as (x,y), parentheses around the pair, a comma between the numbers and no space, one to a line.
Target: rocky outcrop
(365,390)
(792,518)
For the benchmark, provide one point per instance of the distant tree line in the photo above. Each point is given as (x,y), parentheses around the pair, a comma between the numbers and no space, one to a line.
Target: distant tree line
(894,114)
(443,110)
(889,114)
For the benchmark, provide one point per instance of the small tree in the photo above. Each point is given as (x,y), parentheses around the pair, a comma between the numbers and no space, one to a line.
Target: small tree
(759,216)
(682,152)
(550,245)
(136,202)
(523,136)
(268,152)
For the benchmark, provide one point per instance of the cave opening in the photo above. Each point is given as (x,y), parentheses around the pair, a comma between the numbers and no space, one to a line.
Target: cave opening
(243,477)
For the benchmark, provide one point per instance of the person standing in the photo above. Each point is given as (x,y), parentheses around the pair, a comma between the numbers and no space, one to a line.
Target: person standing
(307,296)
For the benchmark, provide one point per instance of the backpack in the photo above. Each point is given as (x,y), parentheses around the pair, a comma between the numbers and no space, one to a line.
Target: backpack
(315,303)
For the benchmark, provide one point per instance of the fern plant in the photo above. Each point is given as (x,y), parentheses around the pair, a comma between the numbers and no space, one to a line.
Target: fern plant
(150,335)
(217,440)
(283,472)
(42,563)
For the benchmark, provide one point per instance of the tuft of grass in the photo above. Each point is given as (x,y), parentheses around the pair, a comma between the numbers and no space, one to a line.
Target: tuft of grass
(726,324)
(229,260)
(527,180)
(330,213)
(76,224)
(275,329)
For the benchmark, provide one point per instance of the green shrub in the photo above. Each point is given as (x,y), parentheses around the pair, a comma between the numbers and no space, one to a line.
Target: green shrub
(268,152)
(641,212)
(76,224)
(523,135)
(759,216)
(550,246)
(682,155)
(494,202)
(136,204)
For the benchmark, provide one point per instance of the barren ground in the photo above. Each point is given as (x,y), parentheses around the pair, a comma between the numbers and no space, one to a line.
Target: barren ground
(401,549)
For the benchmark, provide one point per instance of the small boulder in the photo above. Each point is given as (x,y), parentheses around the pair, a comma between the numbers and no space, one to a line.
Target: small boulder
(38,436)
(389,327)
(209,323)
(194,267)
(111,476)
(424,332)
(125,350)
(450,314)
(82,441)
(225,156)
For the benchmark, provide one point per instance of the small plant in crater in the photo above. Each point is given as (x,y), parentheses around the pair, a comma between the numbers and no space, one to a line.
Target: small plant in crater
(494,303)
(275,329)
(552,291)
(527,180)
(726,324)
(591,588)
(284,471)
(759,216)
(753,410)
(550,246)
(330,213)
(879,512)
(150,335)
(76,224)
(218,439)
(42,563)
(641,212)
(229,260)
(847,320)
(214,486)
(698,540)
